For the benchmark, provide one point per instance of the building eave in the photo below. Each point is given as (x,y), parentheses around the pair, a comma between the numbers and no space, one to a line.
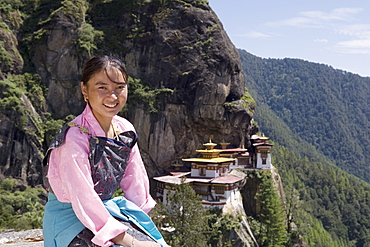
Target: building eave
(210,160)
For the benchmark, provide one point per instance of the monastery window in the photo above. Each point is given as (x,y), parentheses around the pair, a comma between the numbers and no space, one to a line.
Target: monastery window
(219,189)
(201,190)
(222,170)
(202,171)
(264,156)
(243,161)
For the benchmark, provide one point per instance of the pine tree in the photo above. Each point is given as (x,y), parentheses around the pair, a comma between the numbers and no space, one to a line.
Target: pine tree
(272,224)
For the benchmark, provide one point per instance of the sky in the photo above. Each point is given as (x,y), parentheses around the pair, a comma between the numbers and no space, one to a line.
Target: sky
(331,32)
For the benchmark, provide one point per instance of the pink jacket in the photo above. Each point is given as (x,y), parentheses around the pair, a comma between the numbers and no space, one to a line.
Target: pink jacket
(70,178)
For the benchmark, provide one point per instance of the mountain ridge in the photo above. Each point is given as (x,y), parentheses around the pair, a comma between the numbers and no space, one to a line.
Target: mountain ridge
(321,192)
(322,105)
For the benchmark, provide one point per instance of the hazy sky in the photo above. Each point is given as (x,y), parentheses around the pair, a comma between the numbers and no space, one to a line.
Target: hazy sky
(332,32)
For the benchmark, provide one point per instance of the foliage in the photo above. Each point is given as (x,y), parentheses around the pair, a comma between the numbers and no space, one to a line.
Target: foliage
(97,16)
(326,108)
(182,220)
(221,226)
(51,126)
(88,38)
(140,93)
(8,6)
(13,88)
(41,14)
(5,57)
(194,2)
(74,10)
(10,14)
(318,113)
(250,103)
(325,197)
(269,226)
(247,101)
(10,101)
(20,206)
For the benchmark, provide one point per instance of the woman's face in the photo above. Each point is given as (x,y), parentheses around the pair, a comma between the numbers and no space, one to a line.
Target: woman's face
(106,98)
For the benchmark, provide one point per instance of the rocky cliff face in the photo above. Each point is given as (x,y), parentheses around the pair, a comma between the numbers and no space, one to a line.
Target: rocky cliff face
(179,46)
(189,52)
(20,150)
(177,50)
(20,153)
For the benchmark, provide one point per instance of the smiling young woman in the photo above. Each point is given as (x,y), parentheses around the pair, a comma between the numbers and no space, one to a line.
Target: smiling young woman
(87,160)
(106,92)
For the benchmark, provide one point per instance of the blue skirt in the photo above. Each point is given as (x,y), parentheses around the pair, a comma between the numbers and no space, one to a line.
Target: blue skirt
(61,224)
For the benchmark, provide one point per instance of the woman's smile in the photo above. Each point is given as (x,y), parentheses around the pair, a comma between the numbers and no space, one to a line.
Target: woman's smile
(111,105)
(106,92)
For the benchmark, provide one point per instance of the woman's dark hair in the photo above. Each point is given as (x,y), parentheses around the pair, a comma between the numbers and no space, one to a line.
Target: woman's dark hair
(96,64)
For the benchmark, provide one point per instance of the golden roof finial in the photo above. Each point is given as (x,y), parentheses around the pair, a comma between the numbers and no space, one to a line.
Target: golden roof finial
(210,145)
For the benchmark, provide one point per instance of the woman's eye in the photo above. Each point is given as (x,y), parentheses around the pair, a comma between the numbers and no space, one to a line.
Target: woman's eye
(123,86)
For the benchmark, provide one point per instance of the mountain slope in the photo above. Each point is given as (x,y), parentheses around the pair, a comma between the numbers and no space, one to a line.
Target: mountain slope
(320,195)
(327,108)
(185,75)
(318,117)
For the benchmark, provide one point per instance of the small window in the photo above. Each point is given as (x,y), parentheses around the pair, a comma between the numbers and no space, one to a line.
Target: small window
(264,156)
(219,189)
(202,171)
(223,170)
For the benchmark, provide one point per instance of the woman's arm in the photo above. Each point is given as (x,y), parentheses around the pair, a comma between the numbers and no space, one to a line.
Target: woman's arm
(135,182)
(70,178)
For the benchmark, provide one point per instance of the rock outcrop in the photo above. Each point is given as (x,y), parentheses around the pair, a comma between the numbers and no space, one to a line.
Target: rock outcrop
(179,47)
(29,238)
(243,235)
(10,59)
(183,47)
(20,153)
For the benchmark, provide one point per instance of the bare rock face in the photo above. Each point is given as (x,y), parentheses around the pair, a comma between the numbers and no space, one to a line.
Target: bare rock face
(20,155)
(177,46)
(183,47)
(20,150)
(58,60)
(178,49)
(243,235)
(29,238)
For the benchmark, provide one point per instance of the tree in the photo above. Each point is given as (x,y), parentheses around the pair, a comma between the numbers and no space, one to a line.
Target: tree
(271,222)
(182,220)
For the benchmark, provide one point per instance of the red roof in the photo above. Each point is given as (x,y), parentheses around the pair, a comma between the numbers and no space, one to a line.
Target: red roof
(228,179)
(179,174)
(171,179)
(263,144)
(233,150)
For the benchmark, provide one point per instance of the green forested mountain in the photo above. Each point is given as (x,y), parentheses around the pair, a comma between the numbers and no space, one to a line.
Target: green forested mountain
(322,196)
(327,108)
(185,74)
(319,119)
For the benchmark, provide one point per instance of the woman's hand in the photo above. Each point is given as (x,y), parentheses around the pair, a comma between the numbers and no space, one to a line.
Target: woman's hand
(127,240)
(138,243)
